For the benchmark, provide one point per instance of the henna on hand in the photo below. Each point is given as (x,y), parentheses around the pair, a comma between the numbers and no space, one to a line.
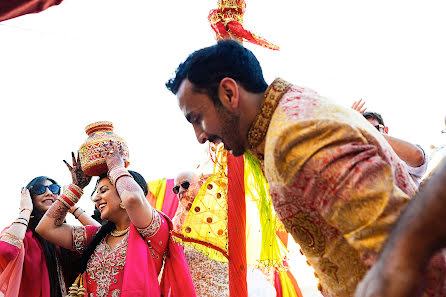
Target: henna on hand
(113,154)
(127,184)
(58,212)
(78,176)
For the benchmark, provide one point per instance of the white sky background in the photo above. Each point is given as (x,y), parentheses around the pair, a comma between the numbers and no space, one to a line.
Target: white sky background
(85,61)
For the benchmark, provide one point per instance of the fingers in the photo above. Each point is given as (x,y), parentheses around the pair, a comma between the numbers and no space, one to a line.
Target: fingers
(68,165)
(359,106)
(73,158)
(110,148)
(25,192)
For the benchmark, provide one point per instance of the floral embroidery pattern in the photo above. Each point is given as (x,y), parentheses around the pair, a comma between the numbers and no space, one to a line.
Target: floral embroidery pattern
(153,227)
(116,293)
(259,127)
(105,264)
(306,233)
(79,238)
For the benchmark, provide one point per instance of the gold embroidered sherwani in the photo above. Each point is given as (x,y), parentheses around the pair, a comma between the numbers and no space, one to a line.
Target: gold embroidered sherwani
(335,182)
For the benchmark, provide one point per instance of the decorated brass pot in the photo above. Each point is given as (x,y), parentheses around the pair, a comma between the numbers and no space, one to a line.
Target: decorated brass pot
(92,162)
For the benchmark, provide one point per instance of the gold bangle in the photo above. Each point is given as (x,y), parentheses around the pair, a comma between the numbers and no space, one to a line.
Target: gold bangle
(78,189)
(63,202)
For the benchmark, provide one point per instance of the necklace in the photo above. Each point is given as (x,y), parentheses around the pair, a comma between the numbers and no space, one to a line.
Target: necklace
(117,233)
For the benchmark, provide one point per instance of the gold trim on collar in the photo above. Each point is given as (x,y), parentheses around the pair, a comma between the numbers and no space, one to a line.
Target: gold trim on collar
(260,125)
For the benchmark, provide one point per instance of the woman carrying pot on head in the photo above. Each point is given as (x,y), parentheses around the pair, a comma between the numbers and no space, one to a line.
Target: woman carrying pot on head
(30,266)
(123,257)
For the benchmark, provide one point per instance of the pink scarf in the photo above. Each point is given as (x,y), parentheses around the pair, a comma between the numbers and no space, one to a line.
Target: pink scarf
(170,204)
(140,276)
(16,267)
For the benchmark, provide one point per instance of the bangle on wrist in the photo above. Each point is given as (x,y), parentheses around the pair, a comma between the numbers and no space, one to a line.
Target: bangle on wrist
(81,211)
(72,195)
(117,172)
(18,222)
(72,212)
(23,209)
(19,218)
(63,202)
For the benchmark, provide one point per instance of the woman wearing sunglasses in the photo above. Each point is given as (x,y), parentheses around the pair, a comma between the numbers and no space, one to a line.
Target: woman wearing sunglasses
(123,257)
(31,266)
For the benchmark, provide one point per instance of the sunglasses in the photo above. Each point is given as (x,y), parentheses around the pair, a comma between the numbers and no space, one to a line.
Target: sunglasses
(185,185)
(379,127)
(40,189)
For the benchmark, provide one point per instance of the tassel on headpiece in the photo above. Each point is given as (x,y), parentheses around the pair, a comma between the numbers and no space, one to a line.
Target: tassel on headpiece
(227,23)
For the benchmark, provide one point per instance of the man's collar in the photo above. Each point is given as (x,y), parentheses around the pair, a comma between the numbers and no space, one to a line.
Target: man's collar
(259,127)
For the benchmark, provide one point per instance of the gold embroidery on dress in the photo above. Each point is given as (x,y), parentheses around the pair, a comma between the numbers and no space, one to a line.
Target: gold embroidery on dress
(12,240)
(329,269)
(116,293)
(79,238)
(153,227)
(260,125)
(306,233)
(106,263)
(211,278)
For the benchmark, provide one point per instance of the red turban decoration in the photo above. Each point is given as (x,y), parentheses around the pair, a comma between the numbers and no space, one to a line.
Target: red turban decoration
(227,22)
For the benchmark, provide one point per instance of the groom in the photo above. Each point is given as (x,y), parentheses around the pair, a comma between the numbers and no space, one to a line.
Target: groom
(335,182)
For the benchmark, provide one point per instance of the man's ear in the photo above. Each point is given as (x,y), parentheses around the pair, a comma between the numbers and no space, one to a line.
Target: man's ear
(228,93)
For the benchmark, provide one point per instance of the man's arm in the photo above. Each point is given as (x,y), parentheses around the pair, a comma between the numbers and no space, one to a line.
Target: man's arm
(418,234)
(408,152)
(333,166)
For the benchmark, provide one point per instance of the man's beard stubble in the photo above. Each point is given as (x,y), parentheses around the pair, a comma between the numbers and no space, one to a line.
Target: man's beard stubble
(230,131)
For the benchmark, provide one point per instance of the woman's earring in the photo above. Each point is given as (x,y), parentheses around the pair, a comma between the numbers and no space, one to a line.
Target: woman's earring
(121,205)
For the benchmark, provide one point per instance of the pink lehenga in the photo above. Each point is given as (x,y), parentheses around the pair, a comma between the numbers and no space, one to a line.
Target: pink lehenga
(132,267)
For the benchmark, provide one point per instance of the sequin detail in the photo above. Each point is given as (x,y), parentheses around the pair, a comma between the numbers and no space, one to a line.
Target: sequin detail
(79,238)
(211,278)
(153,227)
(105,264)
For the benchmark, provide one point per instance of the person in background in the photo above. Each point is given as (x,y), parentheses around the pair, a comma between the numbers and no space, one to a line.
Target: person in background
(413,155)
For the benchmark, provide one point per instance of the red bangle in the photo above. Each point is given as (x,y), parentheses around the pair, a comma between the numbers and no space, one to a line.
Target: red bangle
(65,198)
(74,191)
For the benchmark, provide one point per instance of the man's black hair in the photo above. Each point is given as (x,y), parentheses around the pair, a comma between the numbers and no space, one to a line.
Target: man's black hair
(374,115)
(206,67)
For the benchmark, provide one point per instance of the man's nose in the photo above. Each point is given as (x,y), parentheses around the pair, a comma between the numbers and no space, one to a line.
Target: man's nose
(202,136)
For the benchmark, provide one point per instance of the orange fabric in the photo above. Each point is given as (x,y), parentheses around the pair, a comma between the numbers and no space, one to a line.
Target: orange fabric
(13,8)
(294,282)
(236,227)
